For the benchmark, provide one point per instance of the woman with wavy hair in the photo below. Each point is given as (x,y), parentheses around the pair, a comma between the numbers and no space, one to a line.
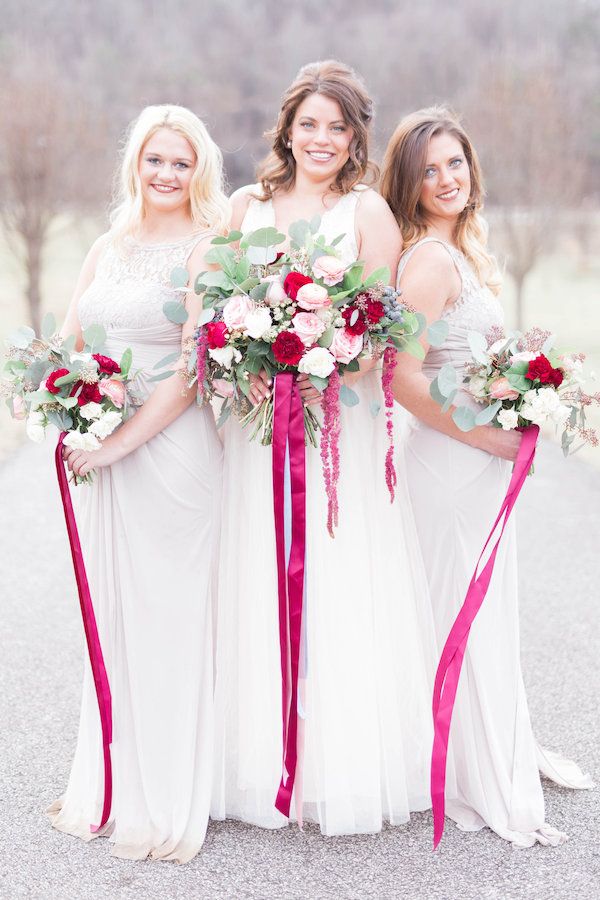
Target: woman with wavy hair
(149,522)
(433,184)
(365,660)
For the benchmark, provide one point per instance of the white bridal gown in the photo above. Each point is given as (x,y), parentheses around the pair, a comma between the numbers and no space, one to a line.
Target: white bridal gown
(370,644)
(149,527)
(456,492)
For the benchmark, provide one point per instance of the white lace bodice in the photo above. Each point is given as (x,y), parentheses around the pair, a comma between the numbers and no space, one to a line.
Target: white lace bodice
(335,221)
(132,283)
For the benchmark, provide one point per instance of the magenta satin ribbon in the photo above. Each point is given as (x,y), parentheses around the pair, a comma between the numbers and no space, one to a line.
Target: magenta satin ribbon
(91,632)
(448,671)
(288,432)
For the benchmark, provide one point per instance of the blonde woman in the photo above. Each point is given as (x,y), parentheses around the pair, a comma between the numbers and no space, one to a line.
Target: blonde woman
(432,182)
(149,522)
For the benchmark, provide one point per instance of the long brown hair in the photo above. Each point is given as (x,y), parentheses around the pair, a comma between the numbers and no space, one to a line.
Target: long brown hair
(402,179)
(339,82)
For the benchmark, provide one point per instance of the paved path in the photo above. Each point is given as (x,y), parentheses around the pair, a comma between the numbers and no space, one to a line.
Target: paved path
(40,673)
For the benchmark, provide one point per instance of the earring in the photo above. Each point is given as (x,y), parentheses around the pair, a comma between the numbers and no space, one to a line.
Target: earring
(289,145)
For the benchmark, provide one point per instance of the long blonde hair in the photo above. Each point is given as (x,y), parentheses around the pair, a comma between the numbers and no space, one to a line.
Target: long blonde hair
(339,82)
(209,206)
(402,179)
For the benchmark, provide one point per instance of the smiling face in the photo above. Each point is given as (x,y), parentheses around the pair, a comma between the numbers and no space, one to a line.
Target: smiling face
(320,137)
(446,184)
(166,165)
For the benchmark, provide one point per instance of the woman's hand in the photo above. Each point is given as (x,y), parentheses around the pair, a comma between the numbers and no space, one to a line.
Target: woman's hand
(260,387)
(504,444)
(80,462)
(310,395)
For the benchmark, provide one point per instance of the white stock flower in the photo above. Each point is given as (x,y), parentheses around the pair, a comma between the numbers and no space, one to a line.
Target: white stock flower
(225,356)
(508,418)
(35,425)
(477,385)
(91,410)
(105,425)
(544,404)
(317,361)
(523,356)
(78,441)
(257,322)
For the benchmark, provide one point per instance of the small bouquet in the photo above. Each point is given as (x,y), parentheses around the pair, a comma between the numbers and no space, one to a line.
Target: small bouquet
(299,312)
(46,383)
(520,380)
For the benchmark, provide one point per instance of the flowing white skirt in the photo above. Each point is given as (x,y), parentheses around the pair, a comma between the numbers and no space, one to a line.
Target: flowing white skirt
(149,531)
(369,637)
(457,492)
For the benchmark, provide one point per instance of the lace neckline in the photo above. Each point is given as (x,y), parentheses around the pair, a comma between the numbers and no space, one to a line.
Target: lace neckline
(162,245)
(326,212)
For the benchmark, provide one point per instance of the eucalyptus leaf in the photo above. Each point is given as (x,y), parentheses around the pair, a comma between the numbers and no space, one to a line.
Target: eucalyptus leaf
(447,379)
(126,360)
(21,337)
(48,325)
(68,344)
(67,402)
(224,414)
(39,370)
(353,366)
(382,274)
(161,376)
(60,419)
(464,418)
(449,401)
(259,291)
(223,257)
(319,383)
(179,277)
(94,336)
(229,239)
(435,393)
(337,240)
(487,414)
(214,280)
(315,224)
(299,231)
(264,237)
(326,338)
(519,382)
(518,368)
(374,408)
(261,256)
(413,346)
(347,396)
(242,269)
(207,315)
(353,277)
(167,360)
(39,397)
(66,379)
(478,345)
(175,312)
(437,333)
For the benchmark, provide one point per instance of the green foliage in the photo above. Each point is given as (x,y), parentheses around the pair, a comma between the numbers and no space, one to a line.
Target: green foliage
(347,396)
(175,312)
(94,337)
(180,277)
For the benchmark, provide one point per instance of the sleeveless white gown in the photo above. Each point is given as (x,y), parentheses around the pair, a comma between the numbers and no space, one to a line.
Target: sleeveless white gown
(456,493)
(370,644)
(149,529)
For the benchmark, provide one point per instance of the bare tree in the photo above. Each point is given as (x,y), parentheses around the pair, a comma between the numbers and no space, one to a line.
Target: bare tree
(51,161)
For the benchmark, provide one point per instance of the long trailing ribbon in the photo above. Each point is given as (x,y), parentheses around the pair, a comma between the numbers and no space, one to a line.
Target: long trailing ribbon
(448,671)
(288,434)
(91,632)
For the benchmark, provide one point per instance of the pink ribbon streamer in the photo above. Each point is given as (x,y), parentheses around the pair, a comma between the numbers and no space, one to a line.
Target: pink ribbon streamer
(448,671)
(91,632)
(288,432)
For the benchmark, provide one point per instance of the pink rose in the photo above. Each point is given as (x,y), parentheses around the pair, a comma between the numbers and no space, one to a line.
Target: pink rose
(312,296)
(114,390)
(329,269)
(308,327)
(345,345)
(500,389)
(235,311)
(223,388)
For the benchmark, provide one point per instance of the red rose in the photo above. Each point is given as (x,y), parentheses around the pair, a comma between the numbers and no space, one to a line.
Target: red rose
(360,326)
(293,282)
(288,349)
(374,311)
(216,332)
(52,377)
(90,393)
(106,364)
(541,369)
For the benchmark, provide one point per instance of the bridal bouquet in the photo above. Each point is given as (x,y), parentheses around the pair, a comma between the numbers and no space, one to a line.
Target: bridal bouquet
(520,380)
(302,312)
(45,382)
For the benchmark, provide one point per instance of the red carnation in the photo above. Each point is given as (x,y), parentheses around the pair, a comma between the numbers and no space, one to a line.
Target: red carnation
(288,349)
(293,282)
(216,333)
(360,326)
(52,377)
(106,364)
(541,369)
(374,311)
(89,393)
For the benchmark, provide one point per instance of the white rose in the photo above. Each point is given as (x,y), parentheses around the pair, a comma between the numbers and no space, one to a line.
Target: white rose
(78,441)
(275,293)
(541,405)
(477,384)
(35,425)
(106,425)
(91,410)
(508,418)
(257,322)
(523,356)
(225,356)
(317,361)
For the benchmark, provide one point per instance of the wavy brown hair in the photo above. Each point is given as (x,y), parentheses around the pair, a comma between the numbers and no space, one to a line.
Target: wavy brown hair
(402,177)
(339,82)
